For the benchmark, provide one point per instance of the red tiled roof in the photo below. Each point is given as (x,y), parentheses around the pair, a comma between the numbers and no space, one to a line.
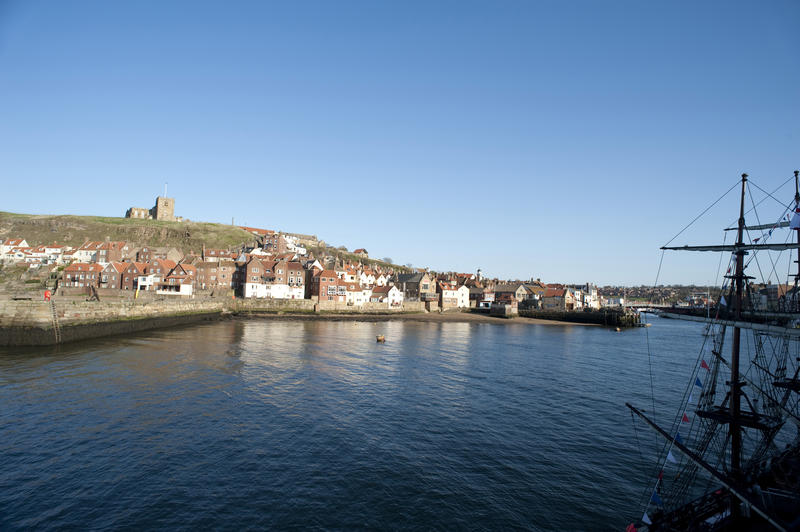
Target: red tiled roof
(257,231)
(381,289)
(83,267)
(118,266)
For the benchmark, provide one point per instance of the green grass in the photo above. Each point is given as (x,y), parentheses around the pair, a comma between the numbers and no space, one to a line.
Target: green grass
(75,230)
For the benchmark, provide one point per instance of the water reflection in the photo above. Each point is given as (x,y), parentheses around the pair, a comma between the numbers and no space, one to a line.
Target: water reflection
(228,424)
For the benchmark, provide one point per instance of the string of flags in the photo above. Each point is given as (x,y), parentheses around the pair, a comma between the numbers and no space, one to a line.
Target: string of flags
(655,498)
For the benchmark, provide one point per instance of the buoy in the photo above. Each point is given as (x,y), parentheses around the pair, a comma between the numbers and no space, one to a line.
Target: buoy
(380,338)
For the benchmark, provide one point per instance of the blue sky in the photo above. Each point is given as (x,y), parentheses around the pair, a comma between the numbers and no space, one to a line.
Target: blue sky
(560,140)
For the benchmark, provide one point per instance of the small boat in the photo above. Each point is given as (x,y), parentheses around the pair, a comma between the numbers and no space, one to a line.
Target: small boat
(380,338)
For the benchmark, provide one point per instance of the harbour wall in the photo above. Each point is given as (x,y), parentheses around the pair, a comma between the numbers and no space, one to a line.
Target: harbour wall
(68,319)
(610,318)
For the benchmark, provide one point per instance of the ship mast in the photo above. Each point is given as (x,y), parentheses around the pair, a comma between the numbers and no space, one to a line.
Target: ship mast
(730,410)
(734,428)
(796,207)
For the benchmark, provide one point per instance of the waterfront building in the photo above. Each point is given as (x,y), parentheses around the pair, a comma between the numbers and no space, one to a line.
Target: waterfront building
(80,274)
(387,294)
(416,286)
(111,276)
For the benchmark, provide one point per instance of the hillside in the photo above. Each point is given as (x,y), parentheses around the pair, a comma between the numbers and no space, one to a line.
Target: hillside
(75,230)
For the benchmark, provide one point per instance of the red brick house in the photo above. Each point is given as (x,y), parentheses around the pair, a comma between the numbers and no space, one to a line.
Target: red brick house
(111,276)
(82,274)
(328,287)
(131,274)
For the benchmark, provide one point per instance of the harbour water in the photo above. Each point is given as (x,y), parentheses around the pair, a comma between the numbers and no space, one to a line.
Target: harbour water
(258,424)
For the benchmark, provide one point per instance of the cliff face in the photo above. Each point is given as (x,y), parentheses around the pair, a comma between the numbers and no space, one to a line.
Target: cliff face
(75,230)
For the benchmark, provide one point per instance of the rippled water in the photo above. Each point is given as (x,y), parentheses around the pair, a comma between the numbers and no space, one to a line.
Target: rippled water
(276,424)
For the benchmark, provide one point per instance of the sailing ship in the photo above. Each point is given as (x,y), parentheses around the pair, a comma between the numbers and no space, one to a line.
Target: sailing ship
(731,458)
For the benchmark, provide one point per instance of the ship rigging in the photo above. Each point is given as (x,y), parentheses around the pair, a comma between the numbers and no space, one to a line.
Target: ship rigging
(734,454)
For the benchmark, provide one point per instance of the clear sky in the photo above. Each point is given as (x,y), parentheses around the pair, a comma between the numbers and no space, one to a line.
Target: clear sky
(560,140)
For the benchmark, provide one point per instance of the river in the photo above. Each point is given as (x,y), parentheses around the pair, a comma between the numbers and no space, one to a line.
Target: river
(253,424)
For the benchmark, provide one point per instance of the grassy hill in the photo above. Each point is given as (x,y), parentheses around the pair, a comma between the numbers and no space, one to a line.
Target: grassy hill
(75,230)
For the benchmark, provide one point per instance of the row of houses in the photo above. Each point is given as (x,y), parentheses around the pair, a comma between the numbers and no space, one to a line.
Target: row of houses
(277,266)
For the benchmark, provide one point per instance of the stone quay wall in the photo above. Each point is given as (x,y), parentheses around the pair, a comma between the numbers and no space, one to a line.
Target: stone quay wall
(69,318)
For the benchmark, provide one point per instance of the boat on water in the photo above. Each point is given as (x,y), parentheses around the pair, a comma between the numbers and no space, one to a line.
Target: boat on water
(730,456)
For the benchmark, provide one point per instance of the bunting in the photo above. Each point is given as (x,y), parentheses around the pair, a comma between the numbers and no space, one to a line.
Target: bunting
(704,365)
(795,223)
(756,239)
(671,458)
(631,528)
(646,519)
(685,418)
(655,499)
(678,438)
(697,382)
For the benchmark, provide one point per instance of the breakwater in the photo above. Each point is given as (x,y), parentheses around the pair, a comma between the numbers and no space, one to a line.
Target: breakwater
(606,317)
(69,319)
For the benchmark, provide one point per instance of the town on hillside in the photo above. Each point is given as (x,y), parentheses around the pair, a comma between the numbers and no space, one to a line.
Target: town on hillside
(279,265)
(274,265)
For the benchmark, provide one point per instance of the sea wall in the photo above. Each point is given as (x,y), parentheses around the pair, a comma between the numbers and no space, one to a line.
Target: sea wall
(370,308)
(70,318)
(611,318)
(36,323)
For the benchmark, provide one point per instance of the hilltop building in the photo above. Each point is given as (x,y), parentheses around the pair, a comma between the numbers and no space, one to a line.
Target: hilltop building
(164,209)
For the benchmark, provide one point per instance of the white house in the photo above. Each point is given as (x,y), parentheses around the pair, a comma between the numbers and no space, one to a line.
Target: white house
(381,280)
(88,251)
(12,243)
(463,296)
(273,290)
(391,295)
(357,295)
(147,282)
(176,285)
(367,278)
(293,245)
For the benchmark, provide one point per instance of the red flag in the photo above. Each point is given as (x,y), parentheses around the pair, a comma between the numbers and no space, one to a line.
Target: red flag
(756,239)
(704,365)
(661,475)
(630,528)
(685,418)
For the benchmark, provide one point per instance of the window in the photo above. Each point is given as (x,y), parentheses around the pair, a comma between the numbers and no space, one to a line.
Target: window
(255,270)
